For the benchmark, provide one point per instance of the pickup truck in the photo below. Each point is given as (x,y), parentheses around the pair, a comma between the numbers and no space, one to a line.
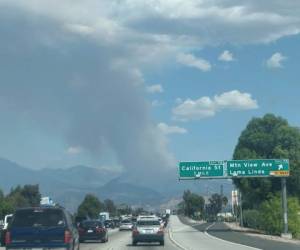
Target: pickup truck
(7,220)
(42,228)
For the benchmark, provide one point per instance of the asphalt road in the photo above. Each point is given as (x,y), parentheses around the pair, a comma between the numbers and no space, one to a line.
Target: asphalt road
(190,238)
(122,241)
(221,231)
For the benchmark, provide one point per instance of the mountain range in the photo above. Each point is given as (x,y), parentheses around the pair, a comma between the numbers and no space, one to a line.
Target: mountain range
(68,186)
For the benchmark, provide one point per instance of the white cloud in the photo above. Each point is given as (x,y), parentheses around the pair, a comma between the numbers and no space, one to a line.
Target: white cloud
(166,129)
(275,61)
(192,61)
(164,25)
(74,150)
(157,103)
(156,88)
(226,56)
(208,107)
(79,29)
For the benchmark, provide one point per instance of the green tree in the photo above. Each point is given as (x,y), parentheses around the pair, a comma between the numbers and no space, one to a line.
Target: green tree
(193,203)
(268,138)
(31,194)
(271,216)
(124,209)
(224,201)
(109,206)
(5,206)
(26,196)
(215,202)
(90,207)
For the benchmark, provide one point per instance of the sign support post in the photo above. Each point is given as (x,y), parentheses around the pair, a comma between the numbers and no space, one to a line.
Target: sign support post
(241,209)
(284,209)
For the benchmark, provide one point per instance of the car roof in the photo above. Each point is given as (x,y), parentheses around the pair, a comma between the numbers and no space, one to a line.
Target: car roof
(40,208)
(150,217)
(91,220)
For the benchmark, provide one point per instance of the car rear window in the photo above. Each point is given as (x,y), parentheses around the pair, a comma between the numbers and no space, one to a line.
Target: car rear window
(91,224)
(39,218)
(148,223)
(126,221)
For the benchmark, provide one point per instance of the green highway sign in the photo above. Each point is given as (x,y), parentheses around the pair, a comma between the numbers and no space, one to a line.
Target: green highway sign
(203,169)
(258,168)
(234,169)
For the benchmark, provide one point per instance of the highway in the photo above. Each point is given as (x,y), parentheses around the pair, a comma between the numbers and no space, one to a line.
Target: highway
(221,233)
(122,241)
(184,235)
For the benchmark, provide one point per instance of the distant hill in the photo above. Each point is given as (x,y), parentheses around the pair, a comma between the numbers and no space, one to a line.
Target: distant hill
(68,186)
(129,193)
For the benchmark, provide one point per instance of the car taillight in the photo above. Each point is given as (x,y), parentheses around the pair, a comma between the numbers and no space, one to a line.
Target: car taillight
(68,237)
(135,231)
(7,238)
(100,230)
(160,231)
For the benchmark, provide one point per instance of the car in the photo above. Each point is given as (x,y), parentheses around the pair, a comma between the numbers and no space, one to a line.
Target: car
(126,224)
(92,230)
(42,228)
(117,222)
(7,220)
(148,229)
(109,224)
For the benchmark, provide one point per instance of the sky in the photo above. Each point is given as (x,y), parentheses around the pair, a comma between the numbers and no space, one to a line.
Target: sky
(136,85)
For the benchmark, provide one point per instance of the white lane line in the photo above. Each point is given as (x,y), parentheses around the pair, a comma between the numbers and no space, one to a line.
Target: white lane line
(232,243)
(174,241)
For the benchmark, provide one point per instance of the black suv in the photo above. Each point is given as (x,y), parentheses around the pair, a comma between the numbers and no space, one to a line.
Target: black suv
(42,227)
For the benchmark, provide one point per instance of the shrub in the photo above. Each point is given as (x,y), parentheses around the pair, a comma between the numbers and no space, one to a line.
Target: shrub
(252,219)
(271,216)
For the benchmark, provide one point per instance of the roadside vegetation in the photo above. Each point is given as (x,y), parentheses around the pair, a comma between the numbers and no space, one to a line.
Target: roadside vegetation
(26,196)
(270,137)
(193,206)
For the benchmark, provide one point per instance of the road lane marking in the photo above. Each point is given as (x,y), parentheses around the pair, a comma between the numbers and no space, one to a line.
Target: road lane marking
(174,241)
(230,242)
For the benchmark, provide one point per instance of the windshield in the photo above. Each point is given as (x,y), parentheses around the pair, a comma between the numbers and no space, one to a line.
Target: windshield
(148,223)
(38,218)
(126,222)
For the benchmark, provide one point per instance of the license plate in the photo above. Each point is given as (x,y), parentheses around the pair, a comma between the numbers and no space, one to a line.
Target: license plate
(90,231)
(149,231)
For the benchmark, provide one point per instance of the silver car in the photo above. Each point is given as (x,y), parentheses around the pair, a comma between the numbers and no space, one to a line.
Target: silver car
(148,230)
(126,225)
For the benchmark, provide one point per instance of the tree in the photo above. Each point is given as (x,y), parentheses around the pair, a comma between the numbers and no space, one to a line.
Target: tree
(90,207)
(224,201)
(193,203)
(26,196)
(31,194)
(271,216)
(215,202)
(269,137)
(109,206)
(124,209)
(5,206)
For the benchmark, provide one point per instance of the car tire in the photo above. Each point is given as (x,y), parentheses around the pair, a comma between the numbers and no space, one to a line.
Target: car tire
(81,241)
(162,243)
(134,243)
